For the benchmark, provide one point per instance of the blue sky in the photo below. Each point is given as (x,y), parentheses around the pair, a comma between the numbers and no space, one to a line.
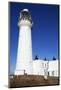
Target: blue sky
(45,30)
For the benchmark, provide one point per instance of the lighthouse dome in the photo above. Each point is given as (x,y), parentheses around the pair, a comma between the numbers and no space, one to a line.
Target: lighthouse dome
(25,10)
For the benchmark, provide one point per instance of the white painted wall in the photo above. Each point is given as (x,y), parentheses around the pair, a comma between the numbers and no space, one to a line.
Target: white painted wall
(24,55)
(41,67)
(36,67)
(53,68)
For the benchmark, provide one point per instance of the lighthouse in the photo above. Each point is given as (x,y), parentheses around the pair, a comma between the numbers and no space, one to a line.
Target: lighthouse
(24,52)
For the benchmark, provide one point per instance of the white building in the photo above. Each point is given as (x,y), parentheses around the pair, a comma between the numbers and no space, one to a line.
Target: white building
(49,68)
(25,64)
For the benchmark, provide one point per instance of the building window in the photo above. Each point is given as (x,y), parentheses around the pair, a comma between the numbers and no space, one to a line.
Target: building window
(53,73)
(45,65)
(48,73)
(42,65)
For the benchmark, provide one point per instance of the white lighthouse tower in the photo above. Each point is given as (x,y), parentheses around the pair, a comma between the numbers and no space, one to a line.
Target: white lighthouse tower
(24,54)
